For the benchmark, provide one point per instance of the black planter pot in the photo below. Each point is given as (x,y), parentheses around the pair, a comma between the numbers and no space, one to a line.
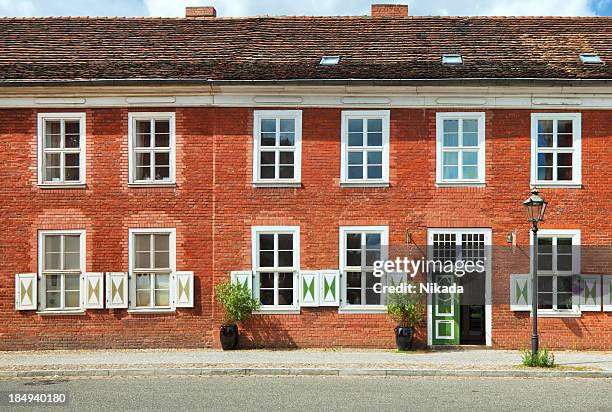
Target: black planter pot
(404,337)
(229,336)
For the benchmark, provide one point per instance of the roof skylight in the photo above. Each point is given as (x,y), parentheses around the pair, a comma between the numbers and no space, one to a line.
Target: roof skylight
(452,59)
(590,58)
(329,60)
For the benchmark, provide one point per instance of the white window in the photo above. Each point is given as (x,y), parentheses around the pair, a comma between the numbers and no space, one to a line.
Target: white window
(365,148)
(152,265)
(360,247)
(277,150)
(556,149)
(151,147)
(276,259)
(61,263)
(558,263)
(61,149)
(460,148)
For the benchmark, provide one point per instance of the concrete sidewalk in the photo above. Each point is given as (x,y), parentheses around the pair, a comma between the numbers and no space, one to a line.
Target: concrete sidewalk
(308,361)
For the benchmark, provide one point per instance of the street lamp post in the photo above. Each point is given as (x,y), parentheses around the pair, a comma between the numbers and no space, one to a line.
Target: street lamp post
(535,206)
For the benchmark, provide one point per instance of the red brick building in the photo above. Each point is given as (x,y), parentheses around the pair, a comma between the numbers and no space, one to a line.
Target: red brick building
(146,160)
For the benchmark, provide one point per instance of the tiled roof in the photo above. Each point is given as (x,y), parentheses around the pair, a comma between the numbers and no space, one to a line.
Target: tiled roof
(290,48)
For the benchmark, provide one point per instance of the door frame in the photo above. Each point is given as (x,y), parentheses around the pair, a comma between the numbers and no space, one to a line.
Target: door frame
(488,280)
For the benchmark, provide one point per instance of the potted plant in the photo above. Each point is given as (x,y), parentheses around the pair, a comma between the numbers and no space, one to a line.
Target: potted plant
(238,305)
(407,311)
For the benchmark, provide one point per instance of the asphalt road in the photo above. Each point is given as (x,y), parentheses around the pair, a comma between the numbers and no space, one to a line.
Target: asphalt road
(321,394)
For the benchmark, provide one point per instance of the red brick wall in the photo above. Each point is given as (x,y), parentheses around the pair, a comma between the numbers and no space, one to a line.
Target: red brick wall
(214,176)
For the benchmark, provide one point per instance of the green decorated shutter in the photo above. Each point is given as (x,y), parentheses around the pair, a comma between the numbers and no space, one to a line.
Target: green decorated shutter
(183,289)
(607,293)
(116,290)
(25,291)
(309,288)
(93,290)
(520,292)
(590,293)
(330,288)
(243,277)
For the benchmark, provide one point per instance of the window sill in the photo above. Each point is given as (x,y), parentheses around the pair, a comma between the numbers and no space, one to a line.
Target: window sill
(556,314)
(277,184)
(364,184)
(62,185)
(291,310)
(78,312)
(148,185)
(151,311)
(362,310)
(557,185)
(461,184)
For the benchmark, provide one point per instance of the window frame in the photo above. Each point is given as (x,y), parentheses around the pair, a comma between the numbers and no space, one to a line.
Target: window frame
(133,272)
(41,126)
(42,304)
(384,243)
(481,148)
(136,116)
(574,234)
(576,150)
(385,116)
(295,231)
(296,115)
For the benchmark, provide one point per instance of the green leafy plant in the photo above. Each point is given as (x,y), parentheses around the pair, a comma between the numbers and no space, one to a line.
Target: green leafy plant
(541,359)
(405,309)
(237,301)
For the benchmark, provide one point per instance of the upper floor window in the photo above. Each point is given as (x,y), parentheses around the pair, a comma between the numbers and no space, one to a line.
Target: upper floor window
(152,262)
(277,149)
(556,149)
(61,148)
(365,148)
(62,262)
(152,146)
(276,260)
(460,148)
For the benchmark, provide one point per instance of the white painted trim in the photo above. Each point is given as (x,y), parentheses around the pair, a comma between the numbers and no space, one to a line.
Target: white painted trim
(295,231)
(452,335)
(132,279)
(384,242)
(480,117)
(296,115)
(81,117)
(82,266)
(132,117)
(385,115)
(576,118)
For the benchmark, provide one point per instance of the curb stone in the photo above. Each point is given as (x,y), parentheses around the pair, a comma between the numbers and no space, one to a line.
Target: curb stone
(303,372)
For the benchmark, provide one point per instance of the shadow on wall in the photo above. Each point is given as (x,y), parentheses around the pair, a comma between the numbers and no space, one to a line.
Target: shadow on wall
(264,332)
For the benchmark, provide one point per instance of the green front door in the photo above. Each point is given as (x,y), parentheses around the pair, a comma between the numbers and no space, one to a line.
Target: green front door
(446,311)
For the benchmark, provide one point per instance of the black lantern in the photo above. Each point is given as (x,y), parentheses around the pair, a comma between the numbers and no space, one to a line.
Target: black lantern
(535,206)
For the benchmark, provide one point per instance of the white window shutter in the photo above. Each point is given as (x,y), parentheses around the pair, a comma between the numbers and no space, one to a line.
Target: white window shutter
(25,291)
(93,290)
(520,292)
(309,288)
(243,277)
(607,293)
(590,293)
(116,290)
(330,288)
(183,289)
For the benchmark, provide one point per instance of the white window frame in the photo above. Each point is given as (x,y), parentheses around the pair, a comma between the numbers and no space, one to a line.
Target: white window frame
(41,270)
(296,115)
(384,242)
(42,118)
(132,272)
(132,118)
(385,115)
(575,235)
(481,148)
(576,119)
(295,231)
